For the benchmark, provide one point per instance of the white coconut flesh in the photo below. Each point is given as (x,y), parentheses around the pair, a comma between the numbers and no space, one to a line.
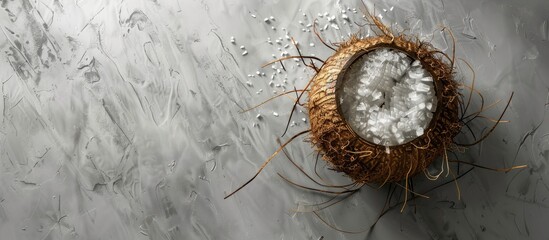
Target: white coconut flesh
(387,97)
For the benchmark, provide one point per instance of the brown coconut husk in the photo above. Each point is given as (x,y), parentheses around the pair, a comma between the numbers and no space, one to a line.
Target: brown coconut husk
(366,162)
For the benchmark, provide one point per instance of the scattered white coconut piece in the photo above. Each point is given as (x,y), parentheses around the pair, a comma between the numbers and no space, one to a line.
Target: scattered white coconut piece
(387,97)
(244,53)
(275,114)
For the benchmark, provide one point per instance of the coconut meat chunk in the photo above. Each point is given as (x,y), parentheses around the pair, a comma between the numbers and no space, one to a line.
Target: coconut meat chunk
(387,97)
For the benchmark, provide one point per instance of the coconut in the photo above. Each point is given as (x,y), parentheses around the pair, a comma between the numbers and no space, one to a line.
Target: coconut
(393,154)
(383,108)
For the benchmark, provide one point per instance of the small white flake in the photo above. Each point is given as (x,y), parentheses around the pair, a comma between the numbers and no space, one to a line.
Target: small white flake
(275,114)
(244,53)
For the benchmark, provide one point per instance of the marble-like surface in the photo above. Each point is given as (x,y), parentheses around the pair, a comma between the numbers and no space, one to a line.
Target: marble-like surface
(121,120)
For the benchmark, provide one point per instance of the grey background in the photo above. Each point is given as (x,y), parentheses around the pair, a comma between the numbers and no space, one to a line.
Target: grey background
(120,120)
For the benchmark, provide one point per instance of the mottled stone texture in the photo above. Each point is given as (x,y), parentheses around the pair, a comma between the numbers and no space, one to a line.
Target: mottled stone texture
(120,119)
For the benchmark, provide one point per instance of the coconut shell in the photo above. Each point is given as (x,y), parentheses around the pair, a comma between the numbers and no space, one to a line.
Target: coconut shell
(366,162)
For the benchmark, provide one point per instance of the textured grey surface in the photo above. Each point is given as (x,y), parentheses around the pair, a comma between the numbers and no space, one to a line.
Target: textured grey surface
(120,120)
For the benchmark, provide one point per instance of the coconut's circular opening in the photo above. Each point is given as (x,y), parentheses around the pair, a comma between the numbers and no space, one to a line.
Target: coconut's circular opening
(386,97)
